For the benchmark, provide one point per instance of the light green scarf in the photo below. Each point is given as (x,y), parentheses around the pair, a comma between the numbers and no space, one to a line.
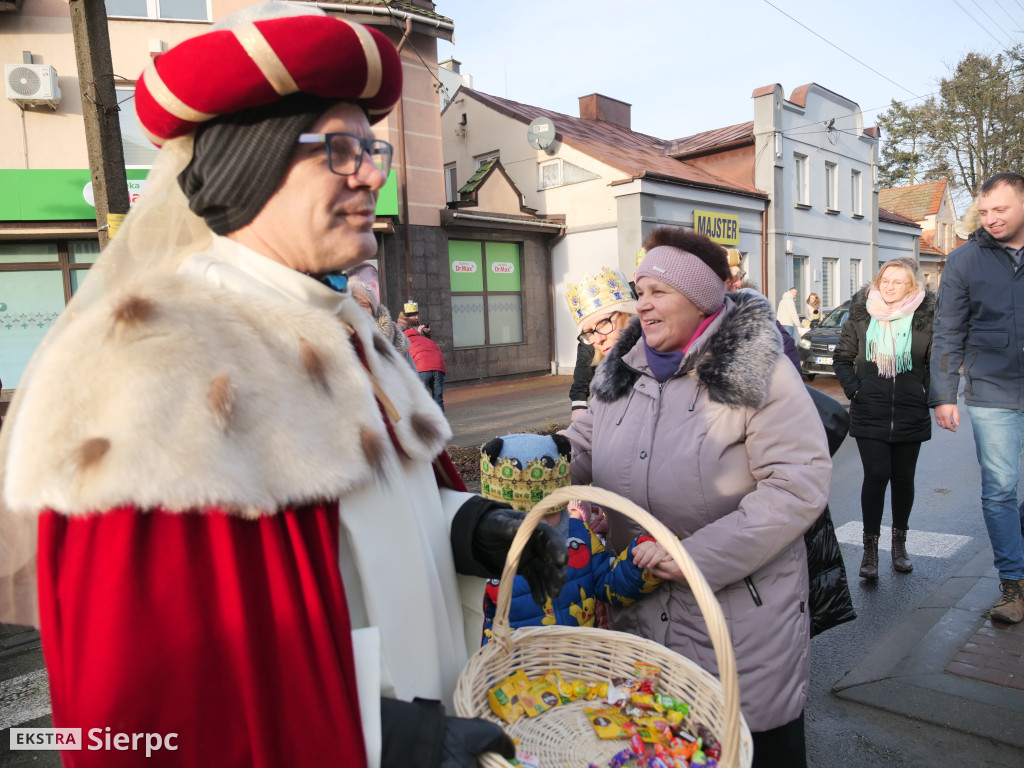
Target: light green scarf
(890,333)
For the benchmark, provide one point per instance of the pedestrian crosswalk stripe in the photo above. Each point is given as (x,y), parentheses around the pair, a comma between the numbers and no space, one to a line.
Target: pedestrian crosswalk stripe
(24,698)
(923,543)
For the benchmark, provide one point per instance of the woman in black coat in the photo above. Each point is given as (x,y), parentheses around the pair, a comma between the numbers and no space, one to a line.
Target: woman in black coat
(882,363)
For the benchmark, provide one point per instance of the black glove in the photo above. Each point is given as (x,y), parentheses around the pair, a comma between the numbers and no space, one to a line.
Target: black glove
(482,533)
(417,734)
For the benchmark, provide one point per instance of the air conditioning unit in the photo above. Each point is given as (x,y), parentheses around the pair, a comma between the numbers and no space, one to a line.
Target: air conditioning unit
(32,84)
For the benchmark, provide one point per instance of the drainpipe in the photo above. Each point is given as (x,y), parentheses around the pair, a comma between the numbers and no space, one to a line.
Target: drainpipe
(403,182)
(764,249)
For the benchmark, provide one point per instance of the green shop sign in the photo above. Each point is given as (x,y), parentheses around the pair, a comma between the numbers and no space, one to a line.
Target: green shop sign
(66,194)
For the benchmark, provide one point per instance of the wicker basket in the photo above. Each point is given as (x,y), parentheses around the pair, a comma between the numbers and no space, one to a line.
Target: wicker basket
(563,736)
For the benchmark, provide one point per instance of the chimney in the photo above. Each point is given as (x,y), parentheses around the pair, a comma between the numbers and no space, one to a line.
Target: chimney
(598,107)
(452,65)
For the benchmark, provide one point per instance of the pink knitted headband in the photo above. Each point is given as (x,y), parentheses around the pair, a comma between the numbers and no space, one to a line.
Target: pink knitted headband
(686,273)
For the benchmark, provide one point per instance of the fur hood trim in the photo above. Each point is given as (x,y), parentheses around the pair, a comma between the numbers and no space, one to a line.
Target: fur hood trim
(390,330)
(177,395)
(923,315)
(733,360)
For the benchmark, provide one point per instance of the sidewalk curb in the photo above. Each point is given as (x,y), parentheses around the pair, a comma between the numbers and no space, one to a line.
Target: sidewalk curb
(917,686)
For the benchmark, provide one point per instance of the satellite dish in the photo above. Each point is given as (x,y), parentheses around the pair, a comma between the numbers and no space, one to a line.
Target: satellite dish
(541,133)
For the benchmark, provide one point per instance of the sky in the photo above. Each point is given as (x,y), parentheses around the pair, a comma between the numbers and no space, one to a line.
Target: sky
(688,67)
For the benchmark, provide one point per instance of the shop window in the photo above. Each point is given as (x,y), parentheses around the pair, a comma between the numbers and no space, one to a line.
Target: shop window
(177,10)
(487,301)
(38,280)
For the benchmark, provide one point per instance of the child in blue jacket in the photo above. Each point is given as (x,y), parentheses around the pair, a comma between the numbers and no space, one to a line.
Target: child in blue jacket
(520,470)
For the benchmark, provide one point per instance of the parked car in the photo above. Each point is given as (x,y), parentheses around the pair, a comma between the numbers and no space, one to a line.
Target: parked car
(816,345)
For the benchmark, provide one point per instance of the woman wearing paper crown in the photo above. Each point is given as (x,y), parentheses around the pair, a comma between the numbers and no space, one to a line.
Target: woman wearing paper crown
(601,306)
(521,470)
(698,417)
(239,487)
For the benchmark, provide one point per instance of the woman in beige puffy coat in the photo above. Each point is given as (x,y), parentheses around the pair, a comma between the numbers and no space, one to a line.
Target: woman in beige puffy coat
(697,416)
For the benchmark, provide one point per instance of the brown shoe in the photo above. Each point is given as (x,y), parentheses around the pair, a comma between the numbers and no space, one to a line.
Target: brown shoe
(900,559)
(1010,608)
(869,563)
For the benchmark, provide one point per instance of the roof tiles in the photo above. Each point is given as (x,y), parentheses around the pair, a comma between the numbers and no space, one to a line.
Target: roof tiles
(915,201)
(635,154)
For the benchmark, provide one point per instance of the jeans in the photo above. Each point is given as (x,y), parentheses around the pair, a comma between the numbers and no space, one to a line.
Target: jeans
(791,330)
(999,439)
(434,381)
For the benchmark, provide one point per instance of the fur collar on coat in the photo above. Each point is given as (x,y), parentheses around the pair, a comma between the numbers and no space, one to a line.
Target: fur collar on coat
(923,315)
(733,360)
(176,394)
(391,330)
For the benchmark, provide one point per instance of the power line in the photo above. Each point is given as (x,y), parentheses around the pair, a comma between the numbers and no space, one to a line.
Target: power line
(989,16)
(987,30)
(791,18)
(1012,20)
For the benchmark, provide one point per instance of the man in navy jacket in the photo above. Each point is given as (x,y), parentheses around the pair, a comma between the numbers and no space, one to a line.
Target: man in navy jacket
(977,325)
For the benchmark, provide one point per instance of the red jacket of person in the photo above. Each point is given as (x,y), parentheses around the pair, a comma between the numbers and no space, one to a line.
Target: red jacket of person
(425,353)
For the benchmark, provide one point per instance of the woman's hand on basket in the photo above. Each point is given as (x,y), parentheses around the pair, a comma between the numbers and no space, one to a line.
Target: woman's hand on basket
(652,557)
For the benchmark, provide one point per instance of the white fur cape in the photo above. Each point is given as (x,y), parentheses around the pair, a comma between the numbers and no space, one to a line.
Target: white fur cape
(175,394)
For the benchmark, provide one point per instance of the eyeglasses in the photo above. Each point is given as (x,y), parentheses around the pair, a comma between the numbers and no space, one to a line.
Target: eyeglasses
(893,283)
(345,151)
(603,327)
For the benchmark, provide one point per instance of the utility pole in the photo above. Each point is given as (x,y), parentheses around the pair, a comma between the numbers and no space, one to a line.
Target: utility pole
(99,111)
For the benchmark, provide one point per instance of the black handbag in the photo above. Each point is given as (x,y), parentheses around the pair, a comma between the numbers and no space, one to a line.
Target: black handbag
(830,601)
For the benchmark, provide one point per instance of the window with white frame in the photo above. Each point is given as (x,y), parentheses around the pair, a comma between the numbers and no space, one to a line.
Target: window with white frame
(558,173)
(451,189)
(139,151)
(802,190)
(831,187)
(829,272)
(175,10)
(856,193)
(855,276)
(481,159)
(799,279)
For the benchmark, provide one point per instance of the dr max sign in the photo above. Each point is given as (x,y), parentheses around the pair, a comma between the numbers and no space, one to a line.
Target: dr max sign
(723,228)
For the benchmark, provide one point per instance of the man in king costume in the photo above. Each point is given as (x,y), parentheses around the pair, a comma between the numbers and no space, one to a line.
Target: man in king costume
(226,501)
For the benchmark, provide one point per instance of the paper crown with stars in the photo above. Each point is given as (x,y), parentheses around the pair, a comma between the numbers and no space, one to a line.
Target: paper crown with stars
(608,289)
(522,469)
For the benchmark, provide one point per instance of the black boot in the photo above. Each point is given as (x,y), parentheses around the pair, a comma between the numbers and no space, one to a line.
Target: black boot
(900,560)
(869,564)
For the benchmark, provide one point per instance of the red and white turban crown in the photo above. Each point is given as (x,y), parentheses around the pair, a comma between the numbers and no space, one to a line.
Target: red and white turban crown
(260,62)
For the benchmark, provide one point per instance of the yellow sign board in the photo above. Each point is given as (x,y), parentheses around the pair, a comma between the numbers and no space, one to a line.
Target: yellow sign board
(114,221)
(720,227)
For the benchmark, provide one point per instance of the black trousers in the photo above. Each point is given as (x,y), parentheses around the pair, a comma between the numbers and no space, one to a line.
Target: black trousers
(782,747)
(887,464)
